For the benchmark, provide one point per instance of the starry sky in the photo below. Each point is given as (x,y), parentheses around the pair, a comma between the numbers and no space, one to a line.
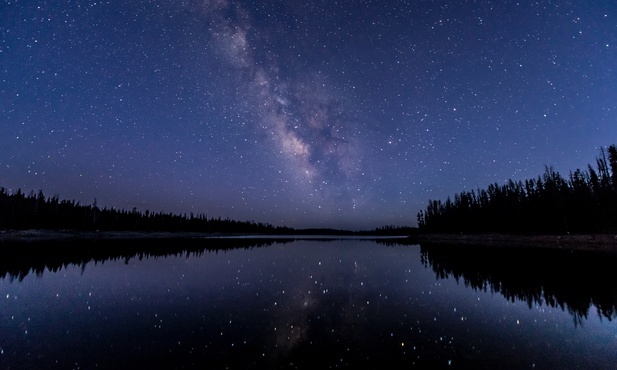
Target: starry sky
(344,114)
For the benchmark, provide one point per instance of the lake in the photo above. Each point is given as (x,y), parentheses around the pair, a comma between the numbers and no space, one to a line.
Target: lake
(257,304)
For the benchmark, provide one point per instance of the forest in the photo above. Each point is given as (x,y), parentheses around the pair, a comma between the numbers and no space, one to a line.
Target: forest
(585,202)
(19,211)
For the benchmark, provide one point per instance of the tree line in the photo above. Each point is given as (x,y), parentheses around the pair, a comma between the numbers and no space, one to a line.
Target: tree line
(19,211)
(585,202)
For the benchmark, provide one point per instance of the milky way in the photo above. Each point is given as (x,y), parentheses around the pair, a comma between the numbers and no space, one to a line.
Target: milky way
(345,114)
(305,122)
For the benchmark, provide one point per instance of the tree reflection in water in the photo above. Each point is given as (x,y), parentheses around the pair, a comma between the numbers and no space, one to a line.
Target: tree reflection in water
(18,259)
(571,280)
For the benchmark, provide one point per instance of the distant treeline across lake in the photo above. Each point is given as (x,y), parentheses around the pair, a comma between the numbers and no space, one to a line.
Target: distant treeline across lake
(20,211)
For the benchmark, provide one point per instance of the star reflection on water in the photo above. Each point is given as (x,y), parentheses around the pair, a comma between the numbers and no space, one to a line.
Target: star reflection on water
(306,304)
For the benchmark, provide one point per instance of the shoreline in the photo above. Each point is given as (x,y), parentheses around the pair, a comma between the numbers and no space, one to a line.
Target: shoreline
(51,235)
(588,242)
(35,235)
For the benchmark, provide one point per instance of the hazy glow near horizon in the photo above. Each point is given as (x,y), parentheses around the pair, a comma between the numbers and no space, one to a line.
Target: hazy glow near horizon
(336,114)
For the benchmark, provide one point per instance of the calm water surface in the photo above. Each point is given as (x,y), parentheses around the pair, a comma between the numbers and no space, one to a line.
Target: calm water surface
(313,304)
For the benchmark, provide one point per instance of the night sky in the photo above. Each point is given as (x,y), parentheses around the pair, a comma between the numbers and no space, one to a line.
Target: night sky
(343,114)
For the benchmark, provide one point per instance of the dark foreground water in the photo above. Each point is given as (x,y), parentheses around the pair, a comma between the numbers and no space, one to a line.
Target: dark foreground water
(305,304)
